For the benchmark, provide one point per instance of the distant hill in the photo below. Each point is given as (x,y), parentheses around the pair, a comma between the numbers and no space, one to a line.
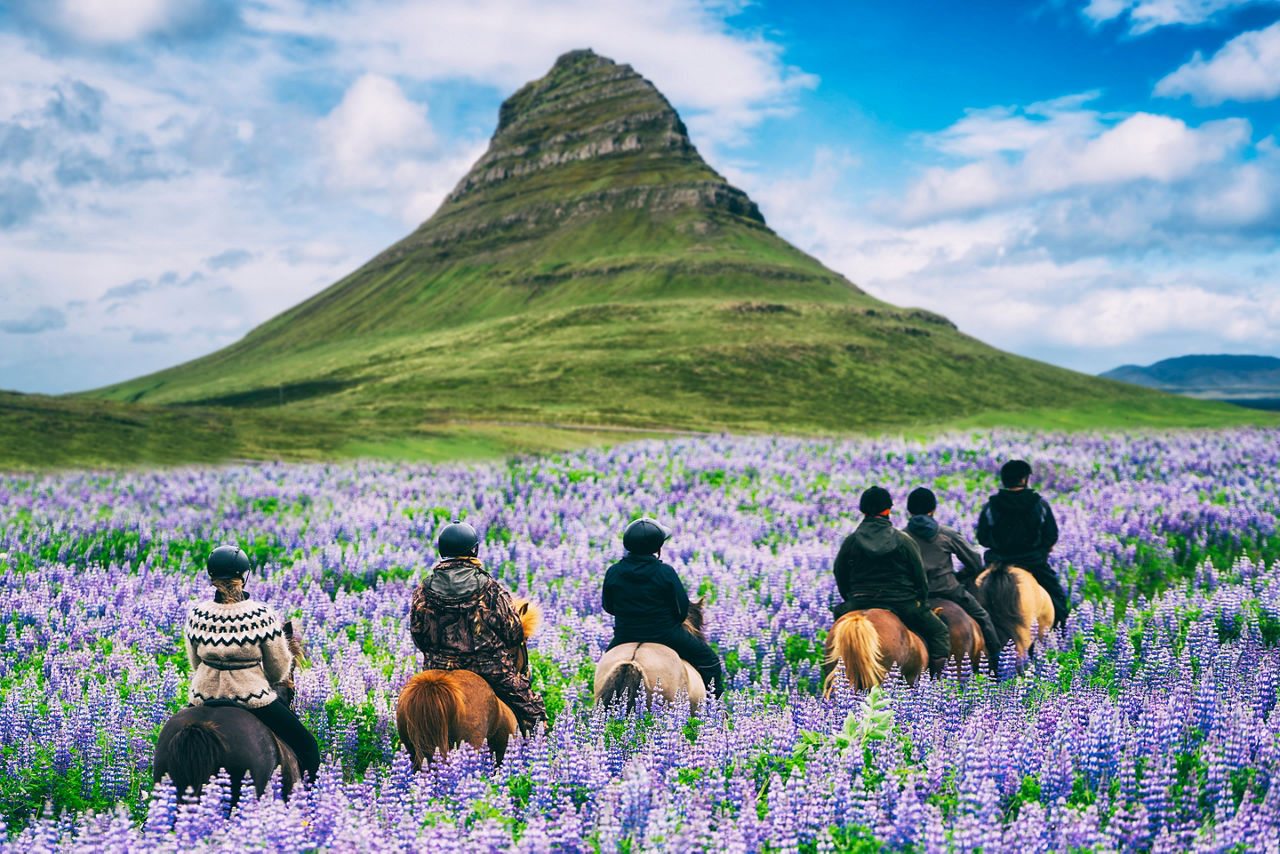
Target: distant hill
(1244,380)
(592,270)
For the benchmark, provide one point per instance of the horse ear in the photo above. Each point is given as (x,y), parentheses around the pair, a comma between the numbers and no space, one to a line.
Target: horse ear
(523,609)
(700,600)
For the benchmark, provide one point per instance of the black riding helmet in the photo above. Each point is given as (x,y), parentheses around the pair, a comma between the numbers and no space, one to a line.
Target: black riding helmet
(645,536)
(458,539)
(227,562)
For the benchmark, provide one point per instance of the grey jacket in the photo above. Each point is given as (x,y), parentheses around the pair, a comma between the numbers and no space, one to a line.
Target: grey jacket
(938,544)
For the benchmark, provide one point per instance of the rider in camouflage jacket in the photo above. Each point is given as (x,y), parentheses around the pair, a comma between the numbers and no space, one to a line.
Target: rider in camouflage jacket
(462,619)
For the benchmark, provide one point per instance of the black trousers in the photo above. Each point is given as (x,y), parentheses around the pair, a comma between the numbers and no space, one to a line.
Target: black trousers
(693,650)
(1048,579)
(974,609)
(281,720)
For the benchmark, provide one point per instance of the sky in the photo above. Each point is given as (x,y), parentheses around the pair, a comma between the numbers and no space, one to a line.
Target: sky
(1087,182)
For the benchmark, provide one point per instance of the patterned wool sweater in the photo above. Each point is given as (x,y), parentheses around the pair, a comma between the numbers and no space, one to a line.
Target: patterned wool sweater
(237,652)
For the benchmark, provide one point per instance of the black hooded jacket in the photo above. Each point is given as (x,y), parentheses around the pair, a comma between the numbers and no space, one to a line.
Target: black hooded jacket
(1017,526)
(937,544)
(644,595)
(879,561)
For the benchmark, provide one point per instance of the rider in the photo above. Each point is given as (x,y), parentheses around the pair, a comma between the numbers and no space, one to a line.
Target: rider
(238,652)
(649,603)
(879,566)
(463,619)
(937,544)
(1017,527)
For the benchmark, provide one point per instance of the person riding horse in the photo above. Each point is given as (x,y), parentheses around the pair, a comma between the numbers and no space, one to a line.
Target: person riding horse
(238,652)
(938,544)
(461,618)
(879,566)
(1017,527)
(649,603)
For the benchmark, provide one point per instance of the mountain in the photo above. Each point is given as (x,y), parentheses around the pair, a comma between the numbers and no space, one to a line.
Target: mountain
(592,269)
(1245,380)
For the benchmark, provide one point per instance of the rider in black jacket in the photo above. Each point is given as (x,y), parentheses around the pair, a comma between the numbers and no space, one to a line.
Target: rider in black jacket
(649,603)
(1017,527)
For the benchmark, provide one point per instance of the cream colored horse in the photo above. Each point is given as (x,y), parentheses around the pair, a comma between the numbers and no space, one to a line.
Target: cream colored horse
(1015,601)
(630,668)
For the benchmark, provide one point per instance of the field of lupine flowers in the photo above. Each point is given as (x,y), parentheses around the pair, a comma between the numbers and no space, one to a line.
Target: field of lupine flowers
(1150,723)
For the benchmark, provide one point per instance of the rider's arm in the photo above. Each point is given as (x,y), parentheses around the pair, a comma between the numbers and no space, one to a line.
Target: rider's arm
(502,617)
(192,658)
(968,556)
(843,568)
(679,596)
(277,660)
(984,527)
(912,552)
(1048,528)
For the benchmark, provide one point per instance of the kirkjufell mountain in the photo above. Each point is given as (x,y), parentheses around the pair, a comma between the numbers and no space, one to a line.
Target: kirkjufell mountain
(591,268)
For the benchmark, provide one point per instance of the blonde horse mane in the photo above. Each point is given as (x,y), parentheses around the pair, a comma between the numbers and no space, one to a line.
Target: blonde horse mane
(530,616)
(855,641)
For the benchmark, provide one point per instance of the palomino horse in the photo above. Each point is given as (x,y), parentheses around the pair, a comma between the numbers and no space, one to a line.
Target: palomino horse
(966,636)
(629,668)
(1015,601)
(440,709)
(870,642)
(199,740)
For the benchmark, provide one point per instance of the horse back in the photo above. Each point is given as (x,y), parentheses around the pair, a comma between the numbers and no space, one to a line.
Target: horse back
(653,664)
(227,737)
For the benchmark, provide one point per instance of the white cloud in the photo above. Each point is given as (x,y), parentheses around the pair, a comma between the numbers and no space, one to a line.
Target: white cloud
(372,130)
(1247,68)
(1147,15)
(724,81)
(1111,316)
(111,23)
(1029,154)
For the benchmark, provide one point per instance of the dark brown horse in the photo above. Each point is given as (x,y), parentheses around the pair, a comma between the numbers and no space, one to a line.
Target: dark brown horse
(440,709)
(966,636)
(631,669)
(199,740)
(869,643)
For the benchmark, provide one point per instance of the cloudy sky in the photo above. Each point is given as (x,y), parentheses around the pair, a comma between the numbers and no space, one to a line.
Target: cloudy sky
(1088,183)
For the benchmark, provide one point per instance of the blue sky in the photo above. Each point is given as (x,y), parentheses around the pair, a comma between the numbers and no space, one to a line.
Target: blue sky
(1088,183)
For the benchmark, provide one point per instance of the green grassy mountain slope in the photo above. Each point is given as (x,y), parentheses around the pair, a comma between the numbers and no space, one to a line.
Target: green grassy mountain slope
(592,269)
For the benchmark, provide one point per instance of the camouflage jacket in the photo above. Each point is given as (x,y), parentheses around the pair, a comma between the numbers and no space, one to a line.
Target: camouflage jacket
(456,630)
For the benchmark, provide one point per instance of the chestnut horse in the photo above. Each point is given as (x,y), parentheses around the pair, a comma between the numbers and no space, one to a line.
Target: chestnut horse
(966,636)
(440,709)
(199,740)
(630,668)
(870,642)
(1015,601)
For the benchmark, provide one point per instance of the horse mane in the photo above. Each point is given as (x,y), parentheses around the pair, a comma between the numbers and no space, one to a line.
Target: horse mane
(427,705)
(856,640)
(693,621)
(195,753)
(1000,596)
(530,616)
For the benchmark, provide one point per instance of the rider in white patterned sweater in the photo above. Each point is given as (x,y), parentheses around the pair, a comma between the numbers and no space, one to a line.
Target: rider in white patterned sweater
(238,652)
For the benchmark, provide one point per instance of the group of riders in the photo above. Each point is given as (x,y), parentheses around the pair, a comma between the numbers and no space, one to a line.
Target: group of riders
(461,618)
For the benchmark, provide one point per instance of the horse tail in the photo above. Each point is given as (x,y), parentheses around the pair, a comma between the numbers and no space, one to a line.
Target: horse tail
(1001,597)
(428,706)
(857,642)
(195,754)
(624,681)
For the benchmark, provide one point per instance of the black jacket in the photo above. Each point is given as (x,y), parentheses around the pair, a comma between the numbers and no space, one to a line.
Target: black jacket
(1017,526)
(937,544)
(879,561)
(644,595)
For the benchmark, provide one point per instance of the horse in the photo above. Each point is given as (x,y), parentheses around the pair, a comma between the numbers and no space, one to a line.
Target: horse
(965,635)
(199,740)
(1015,600)
(440,709)
(652,668)
(869,642)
